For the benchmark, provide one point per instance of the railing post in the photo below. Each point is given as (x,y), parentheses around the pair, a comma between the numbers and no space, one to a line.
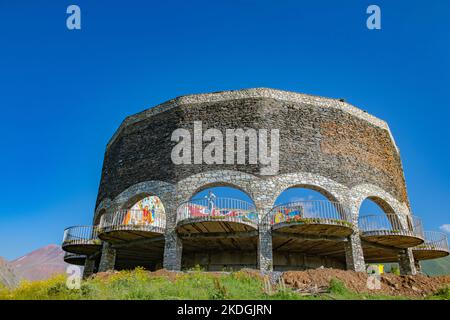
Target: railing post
(406,262)
(265,254)
(108,259)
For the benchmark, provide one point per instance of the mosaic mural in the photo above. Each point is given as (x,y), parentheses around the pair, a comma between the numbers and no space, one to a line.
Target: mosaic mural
(287,214)
(147,211)
(196,211)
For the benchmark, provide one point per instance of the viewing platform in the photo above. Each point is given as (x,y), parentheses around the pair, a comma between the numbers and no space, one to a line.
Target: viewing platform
(81,240)
(318,217)
(129,225)
(218,215)
(435,246)
(218,225)
(392,230)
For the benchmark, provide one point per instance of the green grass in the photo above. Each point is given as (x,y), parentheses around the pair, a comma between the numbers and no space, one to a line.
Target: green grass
(141,285)
(436,266)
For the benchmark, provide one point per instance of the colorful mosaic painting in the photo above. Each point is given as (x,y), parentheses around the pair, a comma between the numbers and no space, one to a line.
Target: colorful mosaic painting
(147,211)
(196,210)
(287,214)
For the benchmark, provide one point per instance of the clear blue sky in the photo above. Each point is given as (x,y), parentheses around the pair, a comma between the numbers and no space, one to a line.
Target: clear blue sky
(63,93)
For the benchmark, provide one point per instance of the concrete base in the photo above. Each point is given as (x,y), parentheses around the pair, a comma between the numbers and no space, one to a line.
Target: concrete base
(173,251)
(89,267)
(354,256)
(265,255)
(108,259)
(406,262)
(418,267)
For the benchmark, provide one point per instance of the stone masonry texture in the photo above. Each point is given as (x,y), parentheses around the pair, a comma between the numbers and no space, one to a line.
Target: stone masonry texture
(325,144)
(314,138)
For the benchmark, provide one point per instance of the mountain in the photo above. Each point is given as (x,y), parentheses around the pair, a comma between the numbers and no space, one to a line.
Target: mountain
(40,264)
(7,274)
(436,267)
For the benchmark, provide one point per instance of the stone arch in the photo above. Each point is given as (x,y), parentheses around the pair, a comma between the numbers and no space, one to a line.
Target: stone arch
(330,189)
(333,191)
(101,209)
(219,184)
(131,195)
(395,211)
(382,198)
(383,204)
(188,187)
(101,212)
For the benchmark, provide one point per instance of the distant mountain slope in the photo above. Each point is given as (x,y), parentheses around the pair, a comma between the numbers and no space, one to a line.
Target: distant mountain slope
(7,274)
(40,264)
(436,267)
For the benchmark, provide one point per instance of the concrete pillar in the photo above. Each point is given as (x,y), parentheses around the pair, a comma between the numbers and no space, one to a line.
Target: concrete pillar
(354,256)
(417,265)
(89,267)
(265,253)
(173,251)
(108,259)
(406,262)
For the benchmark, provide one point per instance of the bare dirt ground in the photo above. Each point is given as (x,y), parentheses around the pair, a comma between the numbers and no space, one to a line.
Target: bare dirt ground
(418,285)
(319,279)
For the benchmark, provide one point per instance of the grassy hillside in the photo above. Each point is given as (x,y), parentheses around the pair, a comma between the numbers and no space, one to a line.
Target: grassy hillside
(437,266)
(139,285)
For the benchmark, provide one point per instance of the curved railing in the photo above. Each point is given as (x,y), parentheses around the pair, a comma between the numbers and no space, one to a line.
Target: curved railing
(141,220)
(228,209)
(434,240)
(311,212)
(81,235)
(391,224)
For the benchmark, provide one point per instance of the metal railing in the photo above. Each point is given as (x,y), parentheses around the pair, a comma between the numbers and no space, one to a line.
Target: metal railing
(81,235)
(311,211)
(434,240)
(142,220)
(391,224)
(228,209)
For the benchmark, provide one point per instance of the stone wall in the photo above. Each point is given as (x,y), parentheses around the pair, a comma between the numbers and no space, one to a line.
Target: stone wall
(325,145)
(351,148)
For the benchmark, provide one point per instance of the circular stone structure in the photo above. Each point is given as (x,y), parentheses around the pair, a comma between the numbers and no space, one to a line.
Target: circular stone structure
(323,144)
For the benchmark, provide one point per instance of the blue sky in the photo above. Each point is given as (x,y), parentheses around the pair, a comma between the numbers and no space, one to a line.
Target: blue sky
(63,93)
